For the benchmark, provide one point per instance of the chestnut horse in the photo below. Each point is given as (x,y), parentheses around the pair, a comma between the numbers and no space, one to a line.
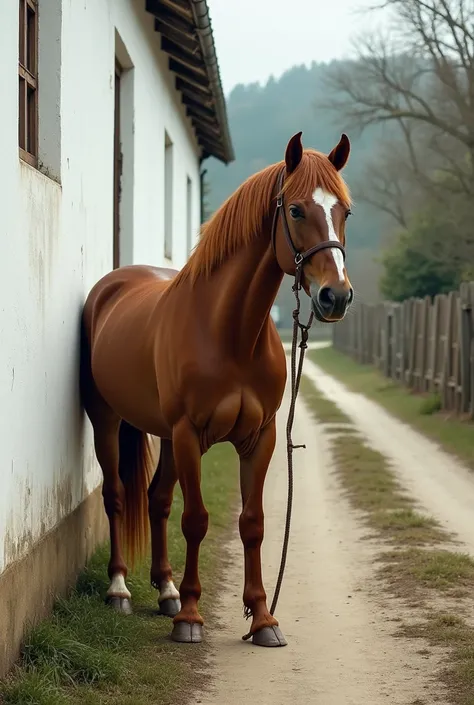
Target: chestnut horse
(194,358)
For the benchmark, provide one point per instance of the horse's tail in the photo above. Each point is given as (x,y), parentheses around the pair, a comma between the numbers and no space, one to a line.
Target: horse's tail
(135,470)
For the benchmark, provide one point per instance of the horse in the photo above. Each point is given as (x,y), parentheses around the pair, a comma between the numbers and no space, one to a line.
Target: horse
(194,358)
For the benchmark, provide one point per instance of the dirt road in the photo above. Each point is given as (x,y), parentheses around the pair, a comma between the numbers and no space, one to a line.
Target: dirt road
(443,486)
(341,647)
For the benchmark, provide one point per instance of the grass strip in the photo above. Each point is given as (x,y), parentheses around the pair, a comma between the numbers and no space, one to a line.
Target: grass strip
(88,654)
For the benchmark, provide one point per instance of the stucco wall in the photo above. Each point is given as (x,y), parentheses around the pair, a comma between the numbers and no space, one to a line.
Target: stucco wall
(56,240)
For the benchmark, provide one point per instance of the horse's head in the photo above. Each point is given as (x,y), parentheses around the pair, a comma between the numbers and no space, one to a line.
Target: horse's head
(314,206)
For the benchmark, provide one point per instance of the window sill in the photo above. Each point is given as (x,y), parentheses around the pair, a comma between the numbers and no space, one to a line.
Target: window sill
(35,164)
(28,158)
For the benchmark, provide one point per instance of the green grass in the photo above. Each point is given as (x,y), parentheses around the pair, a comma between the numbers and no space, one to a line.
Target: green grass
(422,412)
(445,629)
(87,654)
(436,569)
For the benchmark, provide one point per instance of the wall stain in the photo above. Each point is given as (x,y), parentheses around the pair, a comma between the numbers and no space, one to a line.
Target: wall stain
(43,223)
(56,504)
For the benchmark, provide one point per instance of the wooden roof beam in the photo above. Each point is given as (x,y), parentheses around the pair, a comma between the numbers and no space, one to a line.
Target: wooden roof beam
(183,5)
(198,107)
(212,148)
(186,72)
(169,15)
(193,91)
(210,123)
(182,54)
(208,132)
(181,38)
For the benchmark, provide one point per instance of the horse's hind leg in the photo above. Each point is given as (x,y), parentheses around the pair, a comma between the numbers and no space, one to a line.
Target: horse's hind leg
(107,450)
(106,427)
(253,469)
(160,498)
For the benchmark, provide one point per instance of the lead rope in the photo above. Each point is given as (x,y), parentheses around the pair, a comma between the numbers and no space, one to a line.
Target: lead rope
(295,385)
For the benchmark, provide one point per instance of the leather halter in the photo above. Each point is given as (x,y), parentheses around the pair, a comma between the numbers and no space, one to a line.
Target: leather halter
(299,257)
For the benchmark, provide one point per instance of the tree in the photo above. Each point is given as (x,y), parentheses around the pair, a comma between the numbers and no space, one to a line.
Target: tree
(420,76)
(419,79)
(426,259)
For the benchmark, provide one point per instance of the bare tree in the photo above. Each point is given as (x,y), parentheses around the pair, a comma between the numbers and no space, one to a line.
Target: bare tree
(422,78)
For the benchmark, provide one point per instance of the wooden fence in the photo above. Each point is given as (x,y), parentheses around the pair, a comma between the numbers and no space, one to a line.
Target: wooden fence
(426,345)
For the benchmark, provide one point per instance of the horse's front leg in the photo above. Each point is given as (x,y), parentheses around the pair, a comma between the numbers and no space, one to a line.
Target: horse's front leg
(253,469)
(187,456)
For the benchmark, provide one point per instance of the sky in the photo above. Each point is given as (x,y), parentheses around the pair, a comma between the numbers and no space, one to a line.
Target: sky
(257,38)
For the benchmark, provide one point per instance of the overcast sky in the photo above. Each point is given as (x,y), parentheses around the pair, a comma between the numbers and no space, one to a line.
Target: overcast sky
(258,38)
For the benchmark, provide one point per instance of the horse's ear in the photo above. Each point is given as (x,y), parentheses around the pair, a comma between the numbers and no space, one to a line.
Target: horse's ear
(294,152)
(340,154)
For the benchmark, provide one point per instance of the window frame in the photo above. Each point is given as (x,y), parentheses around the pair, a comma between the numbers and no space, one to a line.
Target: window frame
(28,81)
(168,193)
(189,215)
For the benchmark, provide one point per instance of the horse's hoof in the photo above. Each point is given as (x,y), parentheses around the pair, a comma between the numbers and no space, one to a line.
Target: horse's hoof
(120,604)
(170,607)
(269,636)
(187,633)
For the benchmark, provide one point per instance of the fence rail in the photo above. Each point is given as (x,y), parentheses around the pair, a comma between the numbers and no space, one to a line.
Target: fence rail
(426,345)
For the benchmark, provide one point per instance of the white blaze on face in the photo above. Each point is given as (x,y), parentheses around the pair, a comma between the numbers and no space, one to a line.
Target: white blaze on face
(327,201)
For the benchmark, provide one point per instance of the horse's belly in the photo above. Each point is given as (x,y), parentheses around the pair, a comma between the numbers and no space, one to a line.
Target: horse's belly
(131,393)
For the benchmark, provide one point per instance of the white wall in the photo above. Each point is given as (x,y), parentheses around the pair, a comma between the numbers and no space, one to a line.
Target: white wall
(56,241)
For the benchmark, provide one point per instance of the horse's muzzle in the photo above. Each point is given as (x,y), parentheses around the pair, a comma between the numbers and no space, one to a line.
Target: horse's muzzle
(330,304)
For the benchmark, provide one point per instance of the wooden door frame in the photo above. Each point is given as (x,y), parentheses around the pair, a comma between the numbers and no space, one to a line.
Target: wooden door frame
(118,161)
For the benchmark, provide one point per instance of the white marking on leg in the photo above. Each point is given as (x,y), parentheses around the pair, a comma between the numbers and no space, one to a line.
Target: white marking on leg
(327,201)
(168,591)
(118,588)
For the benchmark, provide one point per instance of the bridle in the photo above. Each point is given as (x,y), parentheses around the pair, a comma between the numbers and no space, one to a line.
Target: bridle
(299,258)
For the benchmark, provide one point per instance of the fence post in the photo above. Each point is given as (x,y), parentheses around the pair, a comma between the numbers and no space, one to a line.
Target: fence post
(471,357)
(465,336)
(412,343)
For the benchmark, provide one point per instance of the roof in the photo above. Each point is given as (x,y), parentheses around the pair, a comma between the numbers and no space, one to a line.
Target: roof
(186,36)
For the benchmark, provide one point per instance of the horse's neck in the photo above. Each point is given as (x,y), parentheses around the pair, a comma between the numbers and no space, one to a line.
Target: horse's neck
(245,289)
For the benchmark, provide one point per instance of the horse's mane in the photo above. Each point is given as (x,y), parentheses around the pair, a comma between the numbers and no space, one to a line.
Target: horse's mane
(239,219)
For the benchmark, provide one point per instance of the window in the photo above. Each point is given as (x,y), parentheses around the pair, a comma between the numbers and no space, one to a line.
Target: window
(28,81)
(168,197)
(189,216)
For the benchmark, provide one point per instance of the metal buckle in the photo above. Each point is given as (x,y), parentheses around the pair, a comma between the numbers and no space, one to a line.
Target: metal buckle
(298,259)
(279,201)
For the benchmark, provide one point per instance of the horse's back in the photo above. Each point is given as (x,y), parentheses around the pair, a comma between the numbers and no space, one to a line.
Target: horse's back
(124,287)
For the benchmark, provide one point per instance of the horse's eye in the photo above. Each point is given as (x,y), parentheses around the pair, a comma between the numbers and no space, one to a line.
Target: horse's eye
(295,212)
(348,213)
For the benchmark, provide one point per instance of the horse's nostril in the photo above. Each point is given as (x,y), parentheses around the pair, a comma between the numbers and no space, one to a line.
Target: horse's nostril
(326,297)
(350,298)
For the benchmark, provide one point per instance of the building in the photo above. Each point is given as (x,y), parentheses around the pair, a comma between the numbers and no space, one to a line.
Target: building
(108,109)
